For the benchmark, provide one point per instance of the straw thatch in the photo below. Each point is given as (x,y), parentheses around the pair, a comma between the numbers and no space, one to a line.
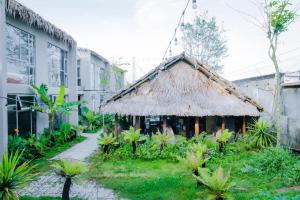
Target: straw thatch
(181,87)
(17,10)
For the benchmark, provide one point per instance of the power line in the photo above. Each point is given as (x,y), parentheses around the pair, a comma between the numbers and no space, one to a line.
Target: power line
(180,23)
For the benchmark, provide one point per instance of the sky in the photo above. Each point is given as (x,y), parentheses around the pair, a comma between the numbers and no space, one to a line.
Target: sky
(142,29)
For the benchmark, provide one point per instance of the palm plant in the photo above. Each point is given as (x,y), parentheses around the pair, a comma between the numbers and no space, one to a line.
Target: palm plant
(193,161)
(107,140)
(162,139)
(217,182)
(132,136)
(201,149)
(14,176)
(70,171)
(223,138)
(59,106)
(260,134)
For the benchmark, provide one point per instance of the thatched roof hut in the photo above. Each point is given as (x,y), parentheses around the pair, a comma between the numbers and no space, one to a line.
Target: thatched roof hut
(181,86)
(17,10)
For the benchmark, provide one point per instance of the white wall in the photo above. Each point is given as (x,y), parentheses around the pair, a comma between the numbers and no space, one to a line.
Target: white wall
(3,111)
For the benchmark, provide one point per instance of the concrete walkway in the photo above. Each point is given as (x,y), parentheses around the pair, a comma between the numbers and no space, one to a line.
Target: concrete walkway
(50,184)
(80,151)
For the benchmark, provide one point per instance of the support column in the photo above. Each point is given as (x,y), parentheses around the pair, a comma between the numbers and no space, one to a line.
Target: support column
(164,123)
(244,126)
(137,122)
(197,126)
(116,131)
(187,134)
(3,92)
(223,124)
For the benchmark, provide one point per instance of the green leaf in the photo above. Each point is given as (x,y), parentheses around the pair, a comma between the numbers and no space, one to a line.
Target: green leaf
(61,97)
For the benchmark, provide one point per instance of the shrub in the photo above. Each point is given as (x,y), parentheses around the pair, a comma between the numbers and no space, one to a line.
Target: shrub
(261,134)
(132,136)
(34,148)
(162,139)
(13,176)
(217,182)
(223,138)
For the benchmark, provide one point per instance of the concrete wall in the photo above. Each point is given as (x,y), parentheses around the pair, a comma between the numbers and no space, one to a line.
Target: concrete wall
(261,89)
(3,111)
(41,69)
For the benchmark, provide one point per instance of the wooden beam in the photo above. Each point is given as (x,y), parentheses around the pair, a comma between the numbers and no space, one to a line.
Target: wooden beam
(244,126)
(197,126)
(187,134)
(223,124)
(116,131)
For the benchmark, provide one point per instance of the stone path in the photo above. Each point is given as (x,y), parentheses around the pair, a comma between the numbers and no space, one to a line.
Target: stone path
(51,185)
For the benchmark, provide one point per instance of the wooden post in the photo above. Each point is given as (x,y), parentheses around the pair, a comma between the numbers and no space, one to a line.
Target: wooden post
(223,124)
(164,123)
(244,125)
(187,127)
(197,126)
(137,122)
(116,131)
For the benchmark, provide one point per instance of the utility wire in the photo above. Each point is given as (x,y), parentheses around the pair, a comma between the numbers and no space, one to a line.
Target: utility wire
(174,35)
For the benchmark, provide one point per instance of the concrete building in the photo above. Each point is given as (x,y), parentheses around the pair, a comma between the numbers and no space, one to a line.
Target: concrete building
(261,89)
(97,79)
(36,52)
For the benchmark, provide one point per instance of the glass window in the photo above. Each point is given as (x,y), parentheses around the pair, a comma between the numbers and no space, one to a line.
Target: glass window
(20,56)
(57,63)
(20,115)
(78,73)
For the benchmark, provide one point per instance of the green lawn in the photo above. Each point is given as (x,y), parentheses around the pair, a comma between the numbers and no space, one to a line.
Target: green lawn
(43,163)
(160,179)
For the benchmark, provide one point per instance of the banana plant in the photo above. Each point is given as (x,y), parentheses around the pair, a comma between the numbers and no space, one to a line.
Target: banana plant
(107,140)
(51,108)
(217,183)
(162,139)
(132,136)
(223,138)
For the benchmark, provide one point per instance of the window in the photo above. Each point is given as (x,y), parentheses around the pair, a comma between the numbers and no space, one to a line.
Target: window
(78,73)
(92,76)
(57,63)
(20,115)
(20,56)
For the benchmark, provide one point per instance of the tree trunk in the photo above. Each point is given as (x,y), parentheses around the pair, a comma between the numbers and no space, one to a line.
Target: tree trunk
(277,88)
(105,149)
(133,147)
(50,118)
(196,173)
(66,190)
(161,147)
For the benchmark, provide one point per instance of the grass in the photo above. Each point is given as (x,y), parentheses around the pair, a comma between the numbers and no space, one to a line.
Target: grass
(43,163)
(165,180)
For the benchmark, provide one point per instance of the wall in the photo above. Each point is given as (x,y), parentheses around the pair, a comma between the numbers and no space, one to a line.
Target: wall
(261,89)
(41,69)
(3,111)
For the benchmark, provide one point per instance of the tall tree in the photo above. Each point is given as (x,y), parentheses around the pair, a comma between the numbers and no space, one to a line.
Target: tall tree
(204,39)
(279,16)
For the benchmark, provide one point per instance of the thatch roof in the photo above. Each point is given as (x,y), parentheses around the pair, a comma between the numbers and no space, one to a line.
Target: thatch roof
(181,86)
(17,10)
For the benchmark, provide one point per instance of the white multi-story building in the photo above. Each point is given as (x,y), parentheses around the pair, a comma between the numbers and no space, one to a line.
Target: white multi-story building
(97,79)
(35,52)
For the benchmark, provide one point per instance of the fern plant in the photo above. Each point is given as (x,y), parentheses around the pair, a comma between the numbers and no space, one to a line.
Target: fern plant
(106,141)
(14,176)
(132,136)
(223,138)
(193,161)
(162,139)
(70,171)
(261,134)
(217,183)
